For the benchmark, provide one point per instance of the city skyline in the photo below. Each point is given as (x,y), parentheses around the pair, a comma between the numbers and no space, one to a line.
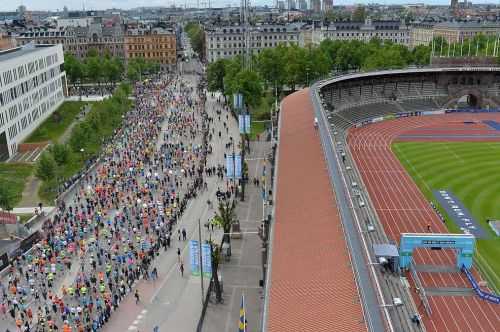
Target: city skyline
(128,4)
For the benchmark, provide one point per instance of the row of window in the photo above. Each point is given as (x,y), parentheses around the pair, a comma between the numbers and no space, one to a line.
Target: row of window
(257,37)
(24,87)
(259,44)
(36,113)
(376,34)
(216,55)
(149,47)
(153,55)
(12,75)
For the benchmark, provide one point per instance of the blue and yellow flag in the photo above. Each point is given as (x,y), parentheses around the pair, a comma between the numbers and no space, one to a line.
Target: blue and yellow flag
(242,324)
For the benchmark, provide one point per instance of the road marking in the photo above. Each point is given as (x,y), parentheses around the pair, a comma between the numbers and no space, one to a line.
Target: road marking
(144,311)
(135,322)
(132,328)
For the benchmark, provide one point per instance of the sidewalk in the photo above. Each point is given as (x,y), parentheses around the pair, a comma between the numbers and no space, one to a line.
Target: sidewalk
(241,275)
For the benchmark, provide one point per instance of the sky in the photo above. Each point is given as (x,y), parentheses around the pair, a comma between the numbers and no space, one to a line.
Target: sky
(11,5)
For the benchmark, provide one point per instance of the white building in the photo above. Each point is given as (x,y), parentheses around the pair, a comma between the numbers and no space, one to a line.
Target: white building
(74,22)
(394,31)
(31,88)
(229,41)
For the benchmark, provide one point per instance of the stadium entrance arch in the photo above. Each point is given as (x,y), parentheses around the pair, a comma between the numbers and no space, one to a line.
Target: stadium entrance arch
(463,243)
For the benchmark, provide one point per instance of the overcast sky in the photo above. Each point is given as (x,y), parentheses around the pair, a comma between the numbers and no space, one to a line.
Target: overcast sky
(11,5)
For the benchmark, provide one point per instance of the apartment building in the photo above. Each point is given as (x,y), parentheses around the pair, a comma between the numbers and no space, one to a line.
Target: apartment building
(421,34)
(6,41)
(394,31)
(79,40)
(32,85)
(228,41)
(455,32)
(157,44)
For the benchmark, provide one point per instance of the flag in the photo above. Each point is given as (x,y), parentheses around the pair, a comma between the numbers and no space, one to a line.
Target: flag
(242,327)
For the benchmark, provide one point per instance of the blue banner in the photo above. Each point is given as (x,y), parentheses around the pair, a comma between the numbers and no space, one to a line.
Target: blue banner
(482,294)
(229,166)
(206,260)
(194,257)
(238,101)
(237,164)
(233,166)
(244,123)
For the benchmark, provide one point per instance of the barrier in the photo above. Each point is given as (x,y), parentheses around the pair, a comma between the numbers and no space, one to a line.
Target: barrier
(493,298)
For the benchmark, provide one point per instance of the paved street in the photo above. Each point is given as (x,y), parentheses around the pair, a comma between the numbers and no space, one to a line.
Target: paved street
(172,300)
(243,272)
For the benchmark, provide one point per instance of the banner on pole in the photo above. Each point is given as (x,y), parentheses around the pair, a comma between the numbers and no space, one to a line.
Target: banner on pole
(233,166)
(237,166)
(206,259)
(194,257)
(238,101)
(230,166)
(244,123)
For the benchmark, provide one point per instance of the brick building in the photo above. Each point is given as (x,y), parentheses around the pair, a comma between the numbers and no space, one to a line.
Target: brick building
(157,44)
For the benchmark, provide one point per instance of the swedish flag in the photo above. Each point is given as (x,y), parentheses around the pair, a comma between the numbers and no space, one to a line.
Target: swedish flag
(242,324)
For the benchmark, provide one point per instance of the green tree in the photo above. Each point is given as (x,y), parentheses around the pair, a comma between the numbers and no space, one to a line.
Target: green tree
(6,198)
(94,69)
(73,68)
(359,14)
(215,75)
(60,153)
(271,66)
(46,167)
(421,55)
(196,36)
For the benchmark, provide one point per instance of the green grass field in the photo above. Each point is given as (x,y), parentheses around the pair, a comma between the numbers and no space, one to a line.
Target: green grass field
(13,178)
(471,170)
(55,125)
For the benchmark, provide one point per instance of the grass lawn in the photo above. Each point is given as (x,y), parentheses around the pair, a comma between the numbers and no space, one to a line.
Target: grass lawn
(55,125)
(471,170)
(13,177)
(24,217)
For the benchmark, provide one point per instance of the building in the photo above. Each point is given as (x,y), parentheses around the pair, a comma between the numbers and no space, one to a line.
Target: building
(421,34)
(303,5)
(315,6)
(327,5)
(455,32)
(104,39)
(228,41)
(32,85)
(74,22)
(158,45)
(394,31)
(79,40)
(6,41)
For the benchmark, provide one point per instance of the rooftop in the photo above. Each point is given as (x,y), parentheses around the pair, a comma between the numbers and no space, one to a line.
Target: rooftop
(20,51)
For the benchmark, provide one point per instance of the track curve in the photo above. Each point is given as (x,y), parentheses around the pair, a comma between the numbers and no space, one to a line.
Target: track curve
(402,208)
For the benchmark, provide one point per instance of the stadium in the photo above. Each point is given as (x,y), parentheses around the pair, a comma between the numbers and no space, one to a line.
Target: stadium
(412,158)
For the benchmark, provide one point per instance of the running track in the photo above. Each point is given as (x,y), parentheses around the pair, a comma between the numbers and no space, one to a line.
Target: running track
(402,208)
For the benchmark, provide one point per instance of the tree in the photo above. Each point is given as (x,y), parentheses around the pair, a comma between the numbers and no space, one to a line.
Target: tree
(94,69)
(46,167)
(215,75)
(6,198)
(271,66)
(73,68)
(60,153)
(224,218)
(359,14)
(196,36)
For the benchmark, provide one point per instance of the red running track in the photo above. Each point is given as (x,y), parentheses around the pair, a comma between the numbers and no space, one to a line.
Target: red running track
(402,208)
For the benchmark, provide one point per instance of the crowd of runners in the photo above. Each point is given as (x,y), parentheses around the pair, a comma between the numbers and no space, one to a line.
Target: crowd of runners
(120,216)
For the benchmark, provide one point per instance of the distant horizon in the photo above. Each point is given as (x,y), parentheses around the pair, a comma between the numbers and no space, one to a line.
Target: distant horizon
(74,5)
